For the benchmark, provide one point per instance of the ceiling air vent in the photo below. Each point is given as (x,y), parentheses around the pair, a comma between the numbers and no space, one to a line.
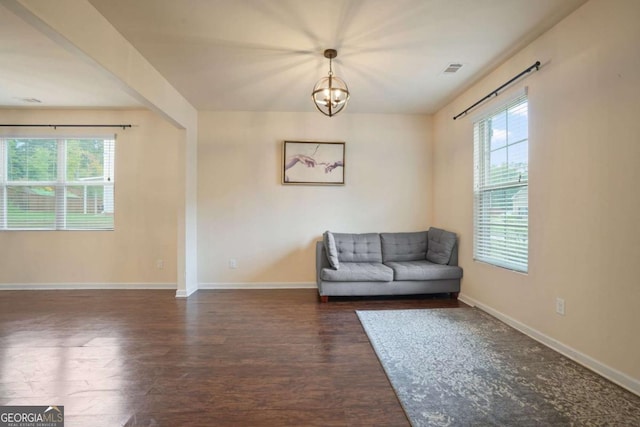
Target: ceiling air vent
(452,68)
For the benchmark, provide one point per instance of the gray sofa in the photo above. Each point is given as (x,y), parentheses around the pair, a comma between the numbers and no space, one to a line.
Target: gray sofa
(371,264)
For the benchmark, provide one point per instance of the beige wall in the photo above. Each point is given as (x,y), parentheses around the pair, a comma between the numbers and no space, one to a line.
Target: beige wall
(584,176)
(79,28)
(147,191)
(244,211)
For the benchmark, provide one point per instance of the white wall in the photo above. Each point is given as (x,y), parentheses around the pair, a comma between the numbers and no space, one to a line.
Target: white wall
(244,212)
(146,201)
(583,197)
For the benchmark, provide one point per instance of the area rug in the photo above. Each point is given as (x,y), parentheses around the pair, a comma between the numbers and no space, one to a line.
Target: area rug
(462,367)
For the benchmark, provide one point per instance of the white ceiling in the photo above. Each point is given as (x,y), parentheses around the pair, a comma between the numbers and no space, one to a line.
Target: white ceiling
(266,55)
(33,66)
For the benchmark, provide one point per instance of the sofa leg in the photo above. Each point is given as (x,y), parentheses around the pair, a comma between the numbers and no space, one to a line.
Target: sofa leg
(454,295)
(324,298)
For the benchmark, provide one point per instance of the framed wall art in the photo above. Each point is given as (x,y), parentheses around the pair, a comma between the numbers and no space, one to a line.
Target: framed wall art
(313,163)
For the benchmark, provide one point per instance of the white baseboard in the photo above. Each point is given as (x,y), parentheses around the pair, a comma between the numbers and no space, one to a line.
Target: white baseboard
(184,293)
(259,285)
(613,375)
(81,286)
(467,300)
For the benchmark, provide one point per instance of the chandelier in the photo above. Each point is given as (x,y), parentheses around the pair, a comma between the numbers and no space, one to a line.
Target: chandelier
(330,94)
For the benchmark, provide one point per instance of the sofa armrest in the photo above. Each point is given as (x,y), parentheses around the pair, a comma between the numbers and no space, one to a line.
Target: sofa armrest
(321,260)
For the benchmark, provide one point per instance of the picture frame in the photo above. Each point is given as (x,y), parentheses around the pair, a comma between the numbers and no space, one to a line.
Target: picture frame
(313,163)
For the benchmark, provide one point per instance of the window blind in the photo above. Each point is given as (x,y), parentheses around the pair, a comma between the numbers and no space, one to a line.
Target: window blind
(57,184)
(501,179)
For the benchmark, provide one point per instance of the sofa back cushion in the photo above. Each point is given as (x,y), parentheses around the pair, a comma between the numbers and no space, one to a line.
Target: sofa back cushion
(440,245)
(358,247)
(404,246)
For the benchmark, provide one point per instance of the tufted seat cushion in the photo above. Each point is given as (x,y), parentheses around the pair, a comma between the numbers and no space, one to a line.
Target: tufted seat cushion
(358,272)
(358,247)
(404,246)
(424,270)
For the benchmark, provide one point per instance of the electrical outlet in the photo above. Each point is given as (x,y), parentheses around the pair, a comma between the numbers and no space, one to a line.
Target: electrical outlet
(159,264)
(560,306)
(233,263)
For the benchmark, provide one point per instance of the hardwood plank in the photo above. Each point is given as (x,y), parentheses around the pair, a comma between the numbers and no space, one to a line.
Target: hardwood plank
(229,357)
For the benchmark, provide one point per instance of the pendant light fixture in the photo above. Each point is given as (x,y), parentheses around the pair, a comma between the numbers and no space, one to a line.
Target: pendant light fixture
(330,94)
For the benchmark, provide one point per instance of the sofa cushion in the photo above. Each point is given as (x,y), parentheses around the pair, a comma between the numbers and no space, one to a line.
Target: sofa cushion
(358,247)
(423,270)
(440,245)
(330,249)
(358,271)
(404,246)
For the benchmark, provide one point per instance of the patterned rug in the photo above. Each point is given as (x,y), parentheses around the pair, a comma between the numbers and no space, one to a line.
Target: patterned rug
(462,367)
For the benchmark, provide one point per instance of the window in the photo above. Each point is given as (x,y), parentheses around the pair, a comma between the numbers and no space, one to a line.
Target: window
(56,184)
(501,202)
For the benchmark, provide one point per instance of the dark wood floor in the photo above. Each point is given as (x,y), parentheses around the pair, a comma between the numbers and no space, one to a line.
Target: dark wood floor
(219,358)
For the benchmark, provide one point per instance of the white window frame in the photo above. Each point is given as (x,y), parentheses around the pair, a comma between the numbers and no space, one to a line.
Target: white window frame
(60,184)
(485,245)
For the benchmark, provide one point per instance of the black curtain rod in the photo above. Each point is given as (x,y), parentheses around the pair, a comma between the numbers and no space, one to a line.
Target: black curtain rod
(66,126)
(495,92)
